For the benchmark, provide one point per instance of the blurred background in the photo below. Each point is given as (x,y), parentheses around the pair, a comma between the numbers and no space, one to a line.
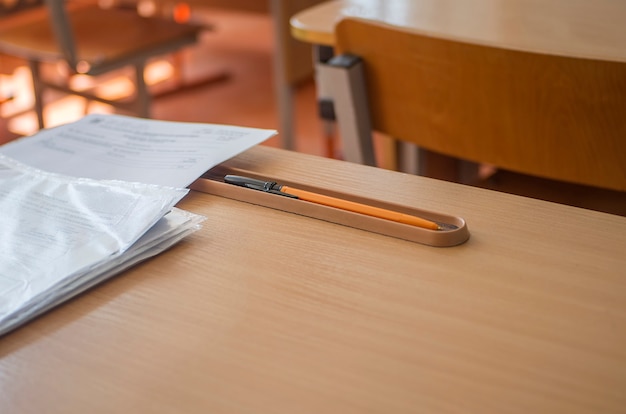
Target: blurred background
(243,69)
(228,77)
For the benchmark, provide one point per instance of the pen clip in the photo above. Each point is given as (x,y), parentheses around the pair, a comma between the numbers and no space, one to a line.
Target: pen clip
(254,184)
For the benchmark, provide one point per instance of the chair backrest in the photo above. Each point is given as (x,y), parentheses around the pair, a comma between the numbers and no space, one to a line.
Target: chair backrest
(551,116)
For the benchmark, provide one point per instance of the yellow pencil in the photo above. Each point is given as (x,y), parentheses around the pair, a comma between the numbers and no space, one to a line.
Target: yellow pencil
(359,208)
(273,187)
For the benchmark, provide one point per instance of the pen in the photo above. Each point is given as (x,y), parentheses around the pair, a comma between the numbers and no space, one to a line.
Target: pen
(283,190)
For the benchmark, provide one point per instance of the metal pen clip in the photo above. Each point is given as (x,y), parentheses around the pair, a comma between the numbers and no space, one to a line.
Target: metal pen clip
(254,184)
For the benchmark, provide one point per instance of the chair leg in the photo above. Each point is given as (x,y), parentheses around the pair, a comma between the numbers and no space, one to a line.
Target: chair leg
(143,95)
(37,90)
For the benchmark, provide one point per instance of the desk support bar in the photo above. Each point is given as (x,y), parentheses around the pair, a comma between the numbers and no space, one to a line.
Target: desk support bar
(345,80)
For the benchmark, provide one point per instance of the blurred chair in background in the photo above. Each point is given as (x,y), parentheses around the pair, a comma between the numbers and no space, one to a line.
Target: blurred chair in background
(92,41)
(548,116)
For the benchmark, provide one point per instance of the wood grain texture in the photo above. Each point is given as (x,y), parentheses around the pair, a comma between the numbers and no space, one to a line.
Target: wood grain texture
(265,311)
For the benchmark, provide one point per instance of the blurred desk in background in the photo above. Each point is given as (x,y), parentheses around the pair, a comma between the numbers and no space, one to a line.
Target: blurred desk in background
(293,61)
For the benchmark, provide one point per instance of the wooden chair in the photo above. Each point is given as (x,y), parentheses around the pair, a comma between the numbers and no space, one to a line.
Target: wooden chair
(93,41)
(547,116)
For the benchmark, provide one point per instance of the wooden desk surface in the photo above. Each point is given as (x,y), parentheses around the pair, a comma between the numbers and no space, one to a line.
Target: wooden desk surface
(265,311)
(575,28)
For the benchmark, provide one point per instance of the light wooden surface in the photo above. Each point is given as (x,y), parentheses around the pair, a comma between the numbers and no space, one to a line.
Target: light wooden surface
(575,28)
(265,311)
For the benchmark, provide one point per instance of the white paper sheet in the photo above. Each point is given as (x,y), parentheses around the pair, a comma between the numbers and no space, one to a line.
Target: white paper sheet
(168,231)
(134,149)
(61,234)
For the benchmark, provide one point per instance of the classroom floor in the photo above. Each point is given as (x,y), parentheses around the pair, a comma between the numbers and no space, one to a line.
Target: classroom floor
(238,54)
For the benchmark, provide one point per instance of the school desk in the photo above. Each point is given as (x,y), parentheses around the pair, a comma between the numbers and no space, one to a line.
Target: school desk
(268,311)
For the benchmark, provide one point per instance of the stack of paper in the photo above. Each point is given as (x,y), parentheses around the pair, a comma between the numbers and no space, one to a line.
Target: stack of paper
(61,232)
